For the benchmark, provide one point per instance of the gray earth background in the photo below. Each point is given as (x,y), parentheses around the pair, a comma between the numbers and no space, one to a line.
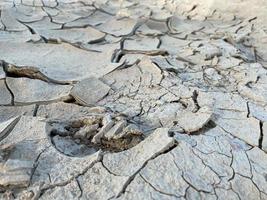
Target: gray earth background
(129,99)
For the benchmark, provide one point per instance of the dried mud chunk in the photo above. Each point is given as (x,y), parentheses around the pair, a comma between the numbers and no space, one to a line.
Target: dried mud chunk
(130,130)
(97,138)
(30,90)
(186,26)
(115,130)
(117,27)
(87,131)
(172,44)
(160,26)
(64,17)
(141,44)
(192,122)
(63,110)
(89,91)
(11,24)
(247,129)
(146,30)
(28,13)
(80,137)
(14,172)
(61,62)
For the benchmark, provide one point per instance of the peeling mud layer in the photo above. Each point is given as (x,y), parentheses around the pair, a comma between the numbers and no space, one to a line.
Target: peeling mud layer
(129,99)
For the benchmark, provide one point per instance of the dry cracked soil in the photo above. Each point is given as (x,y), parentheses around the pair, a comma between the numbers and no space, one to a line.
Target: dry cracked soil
(129,99)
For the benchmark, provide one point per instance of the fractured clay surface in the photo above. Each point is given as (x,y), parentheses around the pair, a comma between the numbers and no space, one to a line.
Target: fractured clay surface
(113,99)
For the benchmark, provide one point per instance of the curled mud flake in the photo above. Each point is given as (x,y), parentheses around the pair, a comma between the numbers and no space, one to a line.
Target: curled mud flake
(28,72)
(7,126)
(85,136)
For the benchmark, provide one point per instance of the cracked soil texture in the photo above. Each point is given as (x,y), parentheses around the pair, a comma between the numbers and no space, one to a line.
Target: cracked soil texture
(130,99)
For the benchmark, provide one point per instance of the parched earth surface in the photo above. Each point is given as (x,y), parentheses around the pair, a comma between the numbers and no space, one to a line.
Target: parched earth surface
(133,99)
